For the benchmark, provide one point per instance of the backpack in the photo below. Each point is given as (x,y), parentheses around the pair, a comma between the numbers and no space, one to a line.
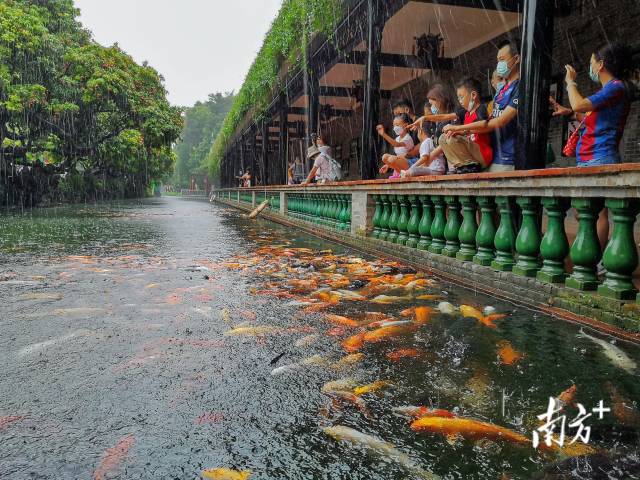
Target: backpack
(335,171)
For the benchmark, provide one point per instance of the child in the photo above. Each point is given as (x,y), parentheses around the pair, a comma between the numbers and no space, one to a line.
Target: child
(431,161)
(402,145)
(468,152)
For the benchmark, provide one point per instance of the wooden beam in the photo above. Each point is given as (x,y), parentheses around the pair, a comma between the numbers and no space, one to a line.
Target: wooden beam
(329,91)
(398,60)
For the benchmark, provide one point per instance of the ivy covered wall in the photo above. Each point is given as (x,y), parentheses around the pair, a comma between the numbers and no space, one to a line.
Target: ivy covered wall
(284,44)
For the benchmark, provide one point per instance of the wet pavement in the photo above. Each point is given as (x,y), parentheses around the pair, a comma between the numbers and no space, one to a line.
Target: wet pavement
(159,339)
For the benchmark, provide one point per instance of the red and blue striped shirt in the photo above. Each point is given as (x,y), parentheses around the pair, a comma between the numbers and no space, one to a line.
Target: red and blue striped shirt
(604,125)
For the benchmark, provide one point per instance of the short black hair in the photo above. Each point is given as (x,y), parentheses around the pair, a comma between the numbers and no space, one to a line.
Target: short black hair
(402,102)
(512,44)
(470,84)
(616,58)
(404,117)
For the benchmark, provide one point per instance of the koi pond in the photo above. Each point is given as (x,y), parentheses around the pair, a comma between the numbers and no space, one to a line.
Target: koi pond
(175,339)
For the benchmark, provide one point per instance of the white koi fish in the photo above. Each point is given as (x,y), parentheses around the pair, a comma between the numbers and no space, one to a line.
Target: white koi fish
(613,353)
(380,447)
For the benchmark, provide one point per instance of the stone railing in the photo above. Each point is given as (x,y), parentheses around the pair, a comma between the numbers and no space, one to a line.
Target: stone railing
(492,220)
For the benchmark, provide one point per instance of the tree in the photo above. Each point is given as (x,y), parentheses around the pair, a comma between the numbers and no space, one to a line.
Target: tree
(202,122)
(69,101)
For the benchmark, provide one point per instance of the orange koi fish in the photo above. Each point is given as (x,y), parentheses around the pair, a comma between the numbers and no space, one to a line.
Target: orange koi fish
(423,314)
(621,407)
(6,421)
(353,343)
(398,355)
(340,320)
(419,412)
(337,331)
(113,457)
(350,398)
(569,395)
(468,428)
(372,387)
(487,321)
(383,333)
(508,355)
(209,418)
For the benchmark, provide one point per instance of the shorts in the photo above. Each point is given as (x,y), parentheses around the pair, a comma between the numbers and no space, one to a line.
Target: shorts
(598,162)
(412,161)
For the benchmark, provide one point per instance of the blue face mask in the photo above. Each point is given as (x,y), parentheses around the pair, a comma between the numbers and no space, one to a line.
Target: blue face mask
(500,86)
(593,75)
(502,69)
(434,110)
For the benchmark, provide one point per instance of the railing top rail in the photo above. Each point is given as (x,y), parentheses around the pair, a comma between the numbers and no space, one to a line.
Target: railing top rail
(621,181)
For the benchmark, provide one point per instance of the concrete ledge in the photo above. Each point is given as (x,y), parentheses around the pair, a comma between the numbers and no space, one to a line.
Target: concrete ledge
(609,316)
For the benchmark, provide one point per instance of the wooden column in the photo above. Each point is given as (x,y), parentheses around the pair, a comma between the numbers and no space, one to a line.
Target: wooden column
(253,154)
(264,132)
(370,152)
(533,109)
(283,140)
(312,89)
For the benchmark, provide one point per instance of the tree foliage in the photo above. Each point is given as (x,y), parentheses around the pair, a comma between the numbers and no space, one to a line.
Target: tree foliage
(66,100)
(202,122)
(283,45)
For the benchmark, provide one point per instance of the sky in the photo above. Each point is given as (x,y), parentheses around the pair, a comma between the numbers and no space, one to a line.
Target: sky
(198,46)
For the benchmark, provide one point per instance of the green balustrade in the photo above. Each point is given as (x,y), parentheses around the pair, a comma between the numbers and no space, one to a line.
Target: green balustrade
(486,234)
(585,251)
(452,227)
(620,257)
(554,247)
(528,239)
(424,227)
(403,220)
(413,226)
(348,215)
(384,218)
(438,225)
(393,219)
(505,238)
(317,216)
(468,229)
(375,221)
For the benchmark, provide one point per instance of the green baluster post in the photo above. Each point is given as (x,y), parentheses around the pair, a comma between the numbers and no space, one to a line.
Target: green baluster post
(375,221)
(452,228)
(468,230)
(413,226)
(554,247)
(486,234)
(585,251)
(528,239)
(505,238)
(393,219)
(403,220)
(620,257)
(424,228)
(438,225)
(384,218)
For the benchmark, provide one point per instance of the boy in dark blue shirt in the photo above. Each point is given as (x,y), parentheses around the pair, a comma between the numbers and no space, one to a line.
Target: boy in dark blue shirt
(503,123)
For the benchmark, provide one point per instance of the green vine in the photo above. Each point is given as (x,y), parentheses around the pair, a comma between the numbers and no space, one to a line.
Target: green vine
(296,21)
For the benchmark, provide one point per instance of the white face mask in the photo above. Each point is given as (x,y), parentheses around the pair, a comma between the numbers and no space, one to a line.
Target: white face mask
(398,130)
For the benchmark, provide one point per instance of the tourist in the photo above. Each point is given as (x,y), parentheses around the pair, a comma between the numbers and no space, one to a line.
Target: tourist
(468,152)
(246,178)
(440,110)
(325,169)
(504,117)
(297,171)
(403,105)
(603,115)
(402,145)
(426,164)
